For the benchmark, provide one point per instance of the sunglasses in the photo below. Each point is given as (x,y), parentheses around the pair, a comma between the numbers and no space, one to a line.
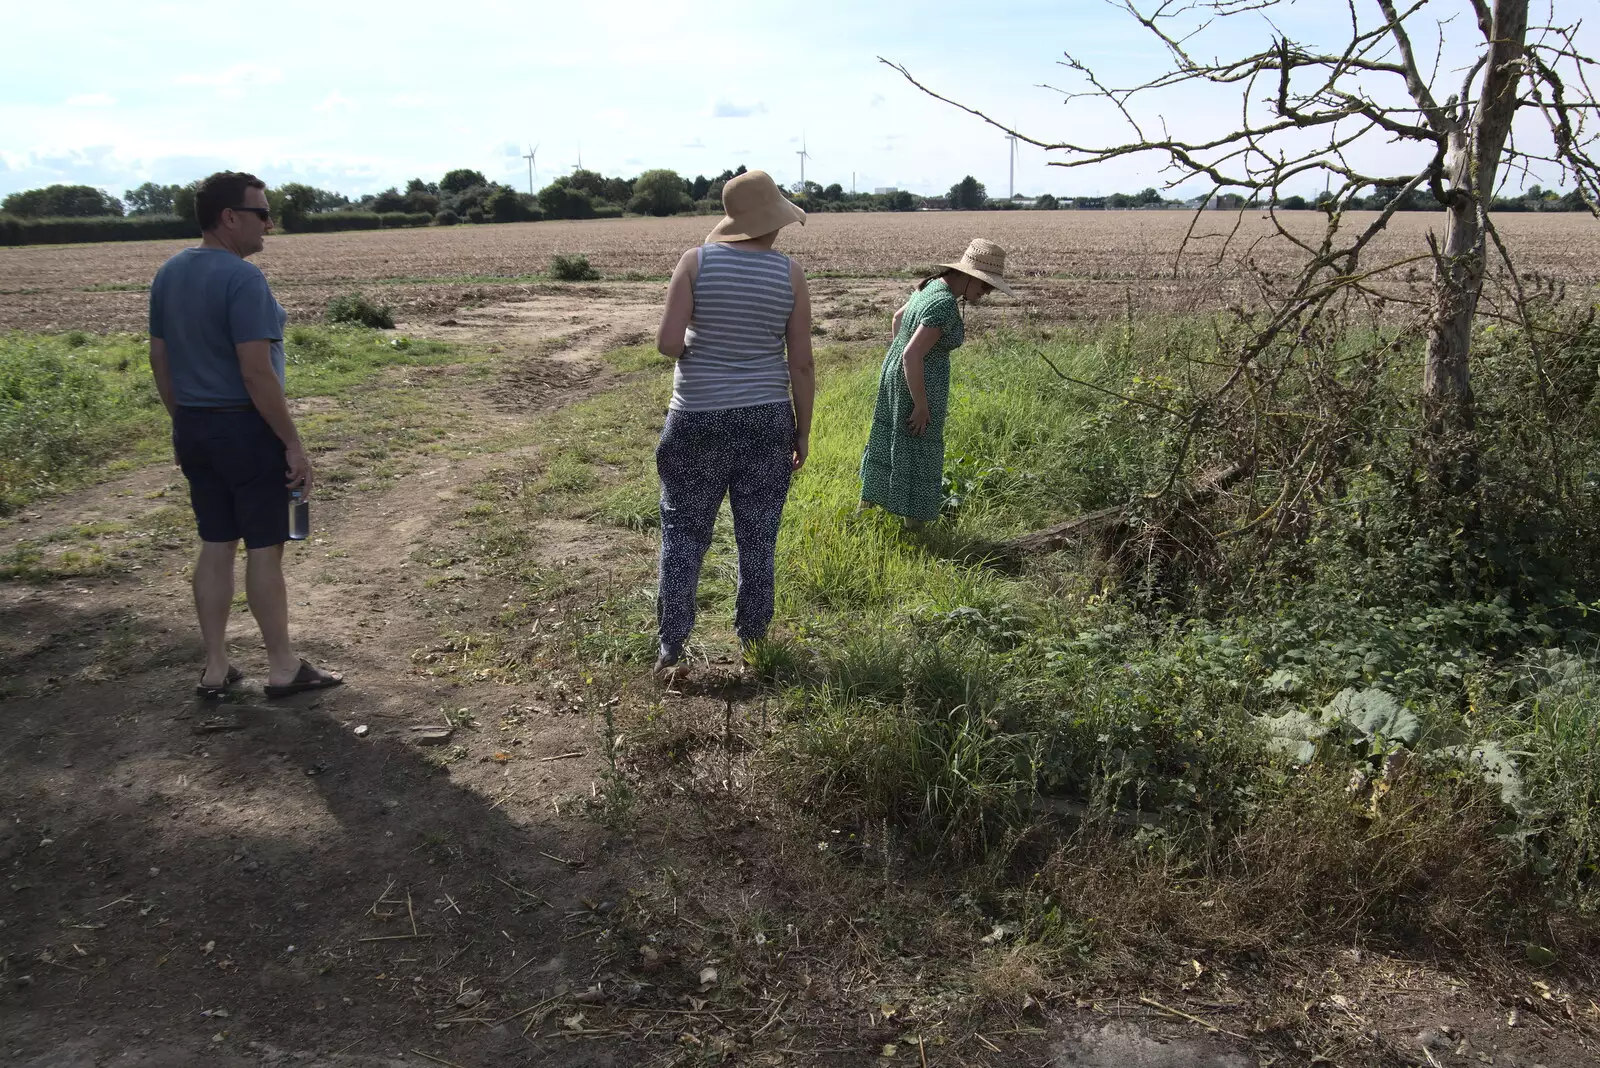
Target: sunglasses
(264,214)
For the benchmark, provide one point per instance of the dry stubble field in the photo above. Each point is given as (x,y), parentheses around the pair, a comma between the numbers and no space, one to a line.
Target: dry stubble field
(1071,264)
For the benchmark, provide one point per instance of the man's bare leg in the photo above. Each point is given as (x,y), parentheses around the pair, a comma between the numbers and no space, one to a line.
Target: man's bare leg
(213,599)
(269,603)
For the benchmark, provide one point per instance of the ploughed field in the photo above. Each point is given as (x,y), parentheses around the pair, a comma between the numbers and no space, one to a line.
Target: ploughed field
(1069,264)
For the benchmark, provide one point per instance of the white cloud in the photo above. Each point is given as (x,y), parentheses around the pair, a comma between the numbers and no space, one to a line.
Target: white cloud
(237,76)
(425,110)
(334,101)
(724,108)
(91,100)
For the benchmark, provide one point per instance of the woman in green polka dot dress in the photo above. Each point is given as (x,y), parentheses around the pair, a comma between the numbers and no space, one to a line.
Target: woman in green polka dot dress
(902,470)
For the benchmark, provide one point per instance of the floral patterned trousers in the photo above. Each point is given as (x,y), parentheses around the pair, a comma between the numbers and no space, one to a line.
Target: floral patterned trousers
(743,454)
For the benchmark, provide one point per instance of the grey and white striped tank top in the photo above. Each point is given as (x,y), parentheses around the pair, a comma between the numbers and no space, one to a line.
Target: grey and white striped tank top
(734,353)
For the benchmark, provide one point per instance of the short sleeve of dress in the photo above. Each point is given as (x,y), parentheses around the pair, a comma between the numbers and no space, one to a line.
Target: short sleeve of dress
(939,312)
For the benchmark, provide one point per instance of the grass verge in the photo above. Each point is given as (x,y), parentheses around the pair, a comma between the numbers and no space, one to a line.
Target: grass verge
(1315,764)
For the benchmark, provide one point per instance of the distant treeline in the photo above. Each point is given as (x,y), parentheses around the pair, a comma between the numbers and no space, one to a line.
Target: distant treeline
(969,195)
(62,213)
(67,213)
(1535,199)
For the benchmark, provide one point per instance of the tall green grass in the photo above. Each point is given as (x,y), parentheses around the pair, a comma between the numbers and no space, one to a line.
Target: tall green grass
(71,404)
(1022,447)
(76,406)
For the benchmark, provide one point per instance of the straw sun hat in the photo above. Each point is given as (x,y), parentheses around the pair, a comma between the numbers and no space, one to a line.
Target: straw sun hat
(985,261)
(753,206)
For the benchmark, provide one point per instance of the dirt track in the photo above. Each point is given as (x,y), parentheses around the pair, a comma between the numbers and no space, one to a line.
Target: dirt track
(171,858)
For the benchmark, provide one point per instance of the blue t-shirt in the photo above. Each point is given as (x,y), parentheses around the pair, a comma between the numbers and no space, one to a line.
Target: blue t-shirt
(203,302)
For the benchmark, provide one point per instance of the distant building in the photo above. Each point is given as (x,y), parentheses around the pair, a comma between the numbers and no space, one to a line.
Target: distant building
(885,190)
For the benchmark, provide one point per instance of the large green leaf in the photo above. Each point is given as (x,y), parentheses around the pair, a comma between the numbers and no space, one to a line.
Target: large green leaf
(1374,716)
(1498,768)
(1294,733)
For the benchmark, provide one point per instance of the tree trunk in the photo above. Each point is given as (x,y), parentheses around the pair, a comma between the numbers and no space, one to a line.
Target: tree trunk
(1447,406)
(1472,162)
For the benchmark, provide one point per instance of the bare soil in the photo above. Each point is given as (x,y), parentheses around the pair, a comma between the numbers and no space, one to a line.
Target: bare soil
(303,882)
(1069,264)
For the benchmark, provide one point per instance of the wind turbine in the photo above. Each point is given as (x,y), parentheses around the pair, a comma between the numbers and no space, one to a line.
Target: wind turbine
(804,155)
(533,150)
(1013,191)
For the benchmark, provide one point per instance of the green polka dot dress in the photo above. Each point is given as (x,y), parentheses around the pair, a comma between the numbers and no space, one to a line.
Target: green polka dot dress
(900,472)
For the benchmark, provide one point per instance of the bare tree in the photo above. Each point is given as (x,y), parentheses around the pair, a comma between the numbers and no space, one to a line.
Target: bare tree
(1304,110)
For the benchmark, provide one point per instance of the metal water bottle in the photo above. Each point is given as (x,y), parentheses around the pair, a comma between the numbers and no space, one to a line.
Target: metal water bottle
(299,515)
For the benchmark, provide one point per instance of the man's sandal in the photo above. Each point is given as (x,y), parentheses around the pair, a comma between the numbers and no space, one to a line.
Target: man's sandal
(212,693)
(307,678)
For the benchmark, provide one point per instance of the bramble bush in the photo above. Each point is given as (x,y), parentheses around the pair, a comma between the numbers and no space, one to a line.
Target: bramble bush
(572,267)
(354,309)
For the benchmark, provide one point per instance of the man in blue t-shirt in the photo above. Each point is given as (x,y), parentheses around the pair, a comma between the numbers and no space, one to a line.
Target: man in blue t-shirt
(216,349)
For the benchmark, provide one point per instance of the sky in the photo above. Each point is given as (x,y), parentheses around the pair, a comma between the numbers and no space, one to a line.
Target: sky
(359,96)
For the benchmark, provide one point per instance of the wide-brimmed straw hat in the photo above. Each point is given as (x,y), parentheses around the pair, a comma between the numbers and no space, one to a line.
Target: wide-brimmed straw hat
(985,261)
(753,206)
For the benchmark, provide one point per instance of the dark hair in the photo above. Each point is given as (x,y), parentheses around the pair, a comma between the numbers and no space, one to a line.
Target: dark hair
(947,274)
(225,189)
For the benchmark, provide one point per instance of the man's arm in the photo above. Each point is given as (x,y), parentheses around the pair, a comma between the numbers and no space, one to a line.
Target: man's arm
(255,364)
(162,370)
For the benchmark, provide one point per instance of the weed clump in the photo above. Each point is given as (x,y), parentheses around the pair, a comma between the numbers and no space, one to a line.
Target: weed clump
(572,267)
(354,309)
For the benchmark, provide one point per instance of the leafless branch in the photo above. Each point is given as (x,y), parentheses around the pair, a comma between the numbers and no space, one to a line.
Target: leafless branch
(1306,111)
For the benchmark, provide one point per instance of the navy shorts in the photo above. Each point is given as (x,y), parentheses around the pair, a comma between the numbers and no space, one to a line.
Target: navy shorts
(237,474)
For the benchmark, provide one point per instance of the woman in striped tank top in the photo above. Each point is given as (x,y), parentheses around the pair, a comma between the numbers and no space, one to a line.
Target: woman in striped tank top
(738,323)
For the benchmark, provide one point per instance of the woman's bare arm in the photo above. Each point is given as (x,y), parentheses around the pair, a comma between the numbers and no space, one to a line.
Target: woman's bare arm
(911,362)
(680,306)
(802,368)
